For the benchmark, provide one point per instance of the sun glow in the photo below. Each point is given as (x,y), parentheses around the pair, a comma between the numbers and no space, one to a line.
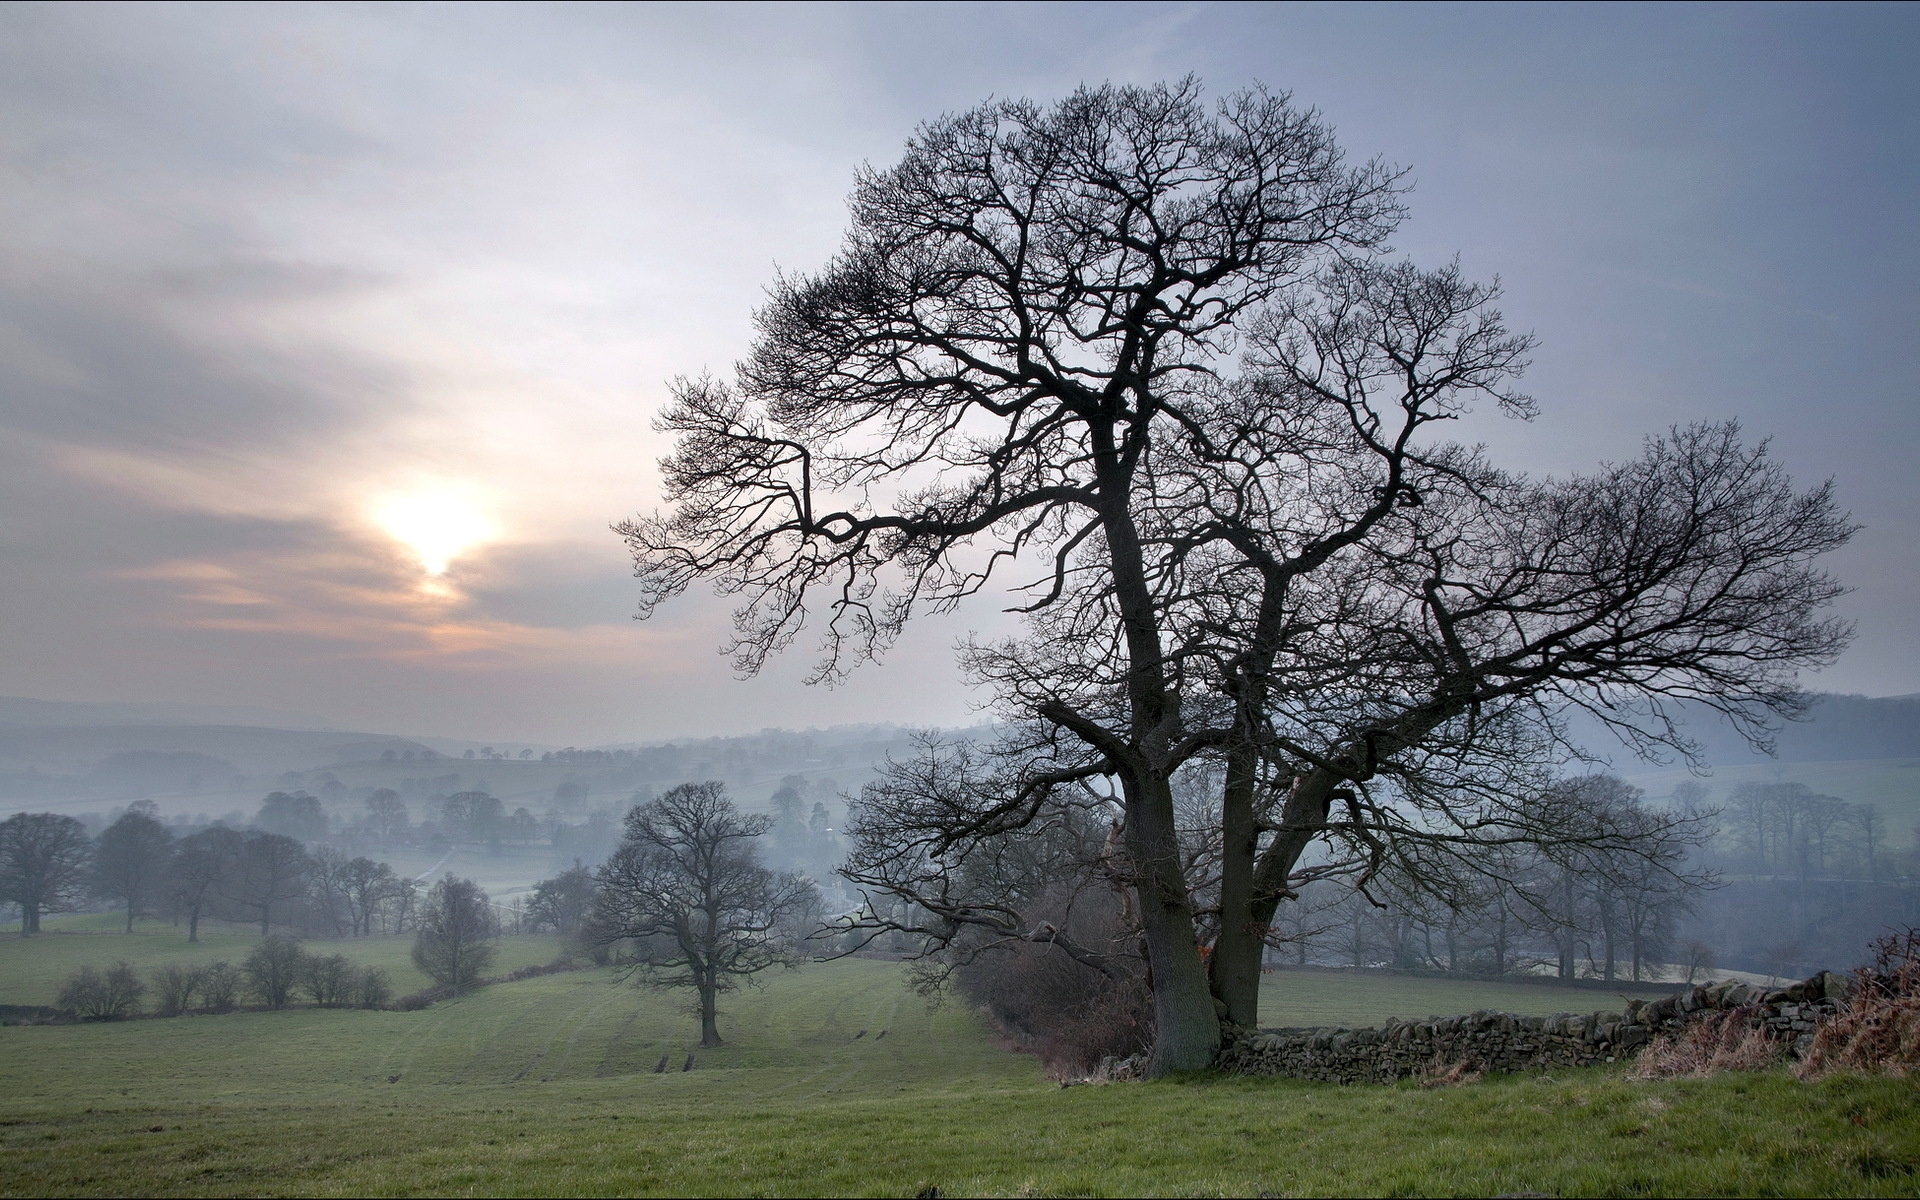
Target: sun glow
(437,525)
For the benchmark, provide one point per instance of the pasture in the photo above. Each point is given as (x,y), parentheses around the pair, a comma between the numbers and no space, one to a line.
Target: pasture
(838,1080)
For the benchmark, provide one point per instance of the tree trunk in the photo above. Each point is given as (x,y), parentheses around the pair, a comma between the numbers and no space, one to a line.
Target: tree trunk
(129,916)
(193,924)
(1186,1025)
(709,1013)
(1236,951)
(29,920)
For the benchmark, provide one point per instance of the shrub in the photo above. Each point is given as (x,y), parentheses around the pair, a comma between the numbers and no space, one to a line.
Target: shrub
(1878,1032)
(273,969)
(372,988)
(219,986)
(328,978)
(175,986)
(109,995)
(1735,1040)
(1068,1014)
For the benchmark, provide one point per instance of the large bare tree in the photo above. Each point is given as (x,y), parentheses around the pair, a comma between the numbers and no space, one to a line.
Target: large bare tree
(687,890)
(43,863)
(1154,349)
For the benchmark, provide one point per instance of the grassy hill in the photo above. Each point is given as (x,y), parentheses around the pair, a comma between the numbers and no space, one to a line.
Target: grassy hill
(837,1080)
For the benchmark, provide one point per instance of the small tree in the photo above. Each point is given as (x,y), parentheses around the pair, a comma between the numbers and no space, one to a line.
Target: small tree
(108,995)
(457,928)
(130,862)
(686,886)
(274,968)
(329,979)
(43,861)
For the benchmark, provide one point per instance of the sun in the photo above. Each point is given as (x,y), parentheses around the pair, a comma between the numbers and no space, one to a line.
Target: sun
(437,524)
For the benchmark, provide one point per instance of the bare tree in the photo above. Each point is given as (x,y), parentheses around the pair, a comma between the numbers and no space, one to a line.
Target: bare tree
(43,863)
(457,928)
(686,888)
(1027,351)
(130,862)
(201,872)
(272,870)
(367,886)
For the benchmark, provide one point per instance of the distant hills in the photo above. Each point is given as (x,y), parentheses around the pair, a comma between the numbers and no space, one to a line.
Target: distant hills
(23,710)
(1837,728)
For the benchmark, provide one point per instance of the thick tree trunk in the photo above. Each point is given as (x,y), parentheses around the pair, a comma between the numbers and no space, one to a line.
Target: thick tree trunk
(129,916)
(1236,950)
(193,925)
(1186,1026)
(29,920)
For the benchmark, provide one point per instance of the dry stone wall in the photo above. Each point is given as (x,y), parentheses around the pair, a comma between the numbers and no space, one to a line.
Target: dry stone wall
(1499,1041)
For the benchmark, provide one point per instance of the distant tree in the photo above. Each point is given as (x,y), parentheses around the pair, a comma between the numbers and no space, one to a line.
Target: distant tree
(387,815)
(686,887)
(367,886)
(43,864)
(472,816)
(564,902)
(271,872)
(274,968)
(293,814)
(131,860)
(457,928)
(203,868)
(570,797)
(327,909)
(108,995)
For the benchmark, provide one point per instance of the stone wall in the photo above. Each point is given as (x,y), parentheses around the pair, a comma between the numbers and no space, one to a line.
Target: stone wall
(1497,1041)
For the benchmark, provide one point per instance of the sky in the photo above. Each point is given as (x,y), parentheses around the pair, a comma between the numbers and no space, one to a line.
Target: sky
(331,335)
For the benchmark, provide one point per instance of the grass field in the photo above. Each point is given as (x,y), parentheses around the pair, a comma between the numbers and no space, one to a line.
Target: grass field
(546,1087)
(32,969)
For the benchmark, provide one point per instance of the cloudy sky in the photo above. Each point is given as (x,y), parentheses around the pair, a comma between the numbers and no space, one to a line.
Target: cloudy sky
(300,305)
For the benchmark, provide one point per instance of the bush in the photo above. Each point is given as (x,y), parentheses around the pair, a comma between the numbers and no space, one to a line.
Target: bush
(1068,1014)
(109,995)
(328,978)
(1878,1032)
(175,986)
(372,988)
(274,968)
(219,986)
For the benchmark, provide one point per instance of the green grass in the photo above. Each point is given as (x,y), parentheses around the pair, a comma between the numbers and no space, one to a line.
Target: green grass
(545,1087)
(1315,997)
(32,969)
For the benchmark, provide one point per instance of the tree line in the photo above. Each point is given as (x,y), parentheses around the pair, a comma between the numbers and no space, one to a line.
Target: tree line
(48,863)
